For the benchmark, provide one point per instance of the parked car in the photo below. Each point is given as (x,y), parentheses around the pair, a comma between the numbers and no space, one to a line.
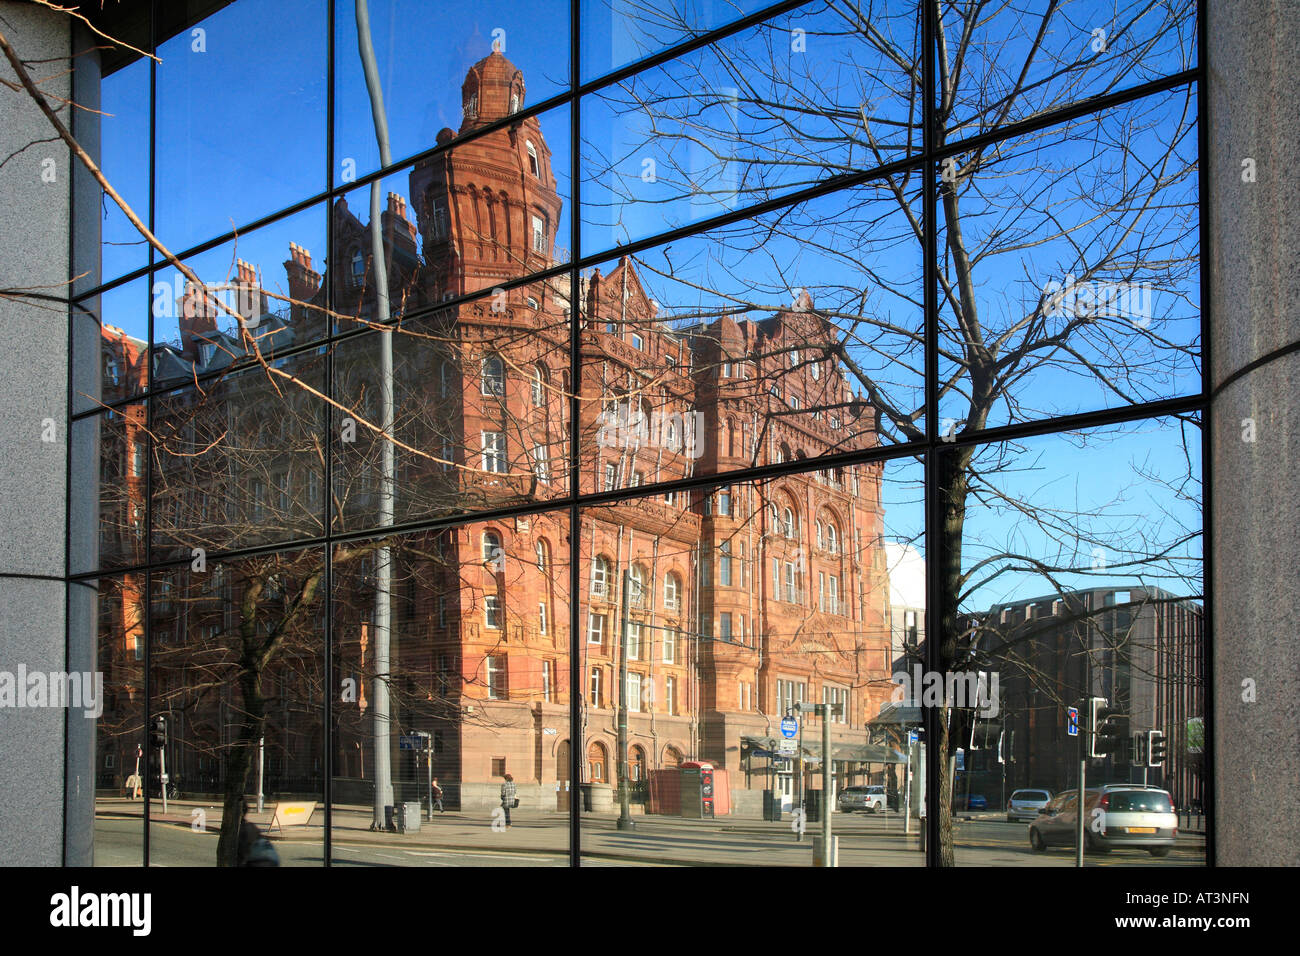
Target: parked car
(973,801)
(1025,805)
(868,798)
(1132,814)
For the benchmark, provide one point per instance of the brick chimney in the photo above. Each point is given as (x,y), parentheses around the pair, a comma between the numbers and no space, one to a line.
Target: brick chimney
(399,230)
(304,281)
(197,319)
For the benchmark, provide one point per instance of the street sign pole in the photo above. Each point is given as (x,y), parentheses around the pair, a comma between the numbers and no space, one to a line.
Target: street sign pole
(828,854)
(1083,770)
(799,807)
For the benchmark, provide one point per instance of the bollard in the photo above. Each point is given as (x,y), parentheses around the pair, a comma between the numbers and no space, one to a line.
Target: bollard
(819,858)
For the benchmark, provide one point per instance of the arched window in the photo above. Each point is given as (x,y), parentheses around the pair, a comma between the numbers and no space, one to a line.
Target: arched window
(600,575)
(533,166)
(636,586)
(815,370)
(821,540)
(491,547)
(446,379)
(494,376)
(832,538)
(596,761)
(539,386)
(787,523)
(543,555)
(514,101)
(672,592)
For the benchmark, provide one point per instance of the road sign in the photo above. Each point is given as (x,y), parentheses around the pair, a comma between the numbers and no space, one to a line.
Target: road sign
(786,747)
(410,742)
(789,727)
(913,737)
(1072,721)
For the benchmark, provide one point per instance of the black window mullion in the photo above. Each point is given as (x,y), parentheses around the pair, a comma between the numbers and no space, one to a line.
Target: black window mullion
(933,511)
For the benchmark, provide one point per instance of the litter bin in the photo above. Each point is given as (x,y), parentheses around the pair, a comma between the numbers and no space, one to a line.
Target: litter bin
(771,805)
(586,797)
(408,817)
(812,805)
(389,823)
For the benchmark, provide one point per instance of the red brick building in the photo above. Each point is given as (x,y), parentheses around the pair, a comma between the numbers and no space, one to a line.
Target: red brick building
(729,604)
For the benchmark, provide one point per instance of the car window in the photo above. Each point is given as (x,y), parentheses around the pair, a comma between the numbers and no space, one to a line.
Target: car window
(1140,801)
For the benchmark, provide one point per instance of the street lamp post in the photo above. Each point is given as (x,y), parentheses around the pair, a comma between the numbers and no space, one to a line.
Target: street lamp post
(624,810)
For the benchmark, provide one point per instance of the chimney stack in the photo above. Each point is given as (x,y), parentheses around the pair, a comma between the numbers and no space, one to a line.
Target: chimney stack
(304,281)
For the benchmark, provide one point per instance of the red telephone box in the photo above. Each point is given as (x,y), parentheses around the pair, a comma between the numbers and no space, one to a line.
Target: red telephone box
(697,789)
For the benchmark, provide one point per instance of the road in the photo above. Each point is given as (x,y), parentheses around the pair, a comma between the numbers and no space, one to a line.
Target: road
(541,839)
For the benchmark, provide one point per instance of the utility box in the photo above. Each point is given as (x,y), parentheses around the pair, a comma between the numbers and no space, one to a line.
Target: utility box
(408,817)
(697,790)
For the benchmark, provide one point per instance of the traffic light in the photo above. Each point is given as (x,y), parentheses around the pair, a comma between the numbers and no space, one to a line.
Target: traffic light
(158,733)
(1139,744)
(1155,748)
(1106,727)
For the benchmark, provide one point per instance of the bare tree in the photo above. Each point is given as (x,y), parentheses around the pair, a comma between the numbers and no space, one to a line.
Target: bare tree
(1066,279)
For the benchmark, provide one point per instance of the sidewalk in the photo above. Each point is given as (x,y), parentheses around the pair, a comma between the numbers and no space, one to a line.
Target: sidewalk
(655,839)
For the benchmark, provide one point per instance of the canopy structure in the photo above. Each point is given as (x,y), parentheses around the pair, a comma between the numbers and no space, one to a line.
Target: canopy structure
(812,751)
(893,714)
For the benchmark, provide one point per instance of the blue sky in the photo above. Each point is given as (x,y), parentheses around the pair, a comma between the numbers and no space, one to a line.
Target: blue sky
(242,131)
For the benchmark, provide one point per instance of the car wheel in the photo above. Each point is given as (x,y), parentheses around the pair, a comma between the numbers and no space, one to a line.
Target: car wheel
(1093,844)
(1158,850)
(1036,841)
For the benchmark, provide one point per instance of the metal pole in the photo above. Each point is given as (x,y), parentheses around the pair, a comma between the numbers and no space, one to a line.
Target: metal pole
(1078,850)
(383,566)
(799,808)
(261,766)
(907,789)
(162,771)
(828,858)
(624,811)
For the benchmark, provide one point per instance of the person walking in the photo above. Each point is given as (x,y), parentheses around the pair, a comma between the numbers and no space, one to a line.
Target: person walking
(437,796)
(508,799)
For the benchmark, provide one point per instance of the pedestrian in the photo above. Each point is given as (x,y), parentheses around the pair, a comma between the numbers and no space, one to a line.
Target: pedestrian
(508,799)
(437,796)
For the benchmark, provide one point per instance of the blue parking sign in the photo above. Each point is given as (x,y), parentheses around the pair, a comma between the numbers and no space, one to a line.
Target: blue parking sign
(1072,721)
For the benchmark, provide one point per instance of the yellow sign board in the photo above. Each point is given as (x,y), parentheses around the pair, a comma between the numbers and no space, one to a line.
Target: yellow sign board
(293,814)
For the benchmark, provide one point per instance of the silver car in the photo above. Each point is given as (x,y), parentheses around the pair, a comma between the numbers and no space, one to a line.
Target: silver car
(1026,805)
(1115,815)
(870,798)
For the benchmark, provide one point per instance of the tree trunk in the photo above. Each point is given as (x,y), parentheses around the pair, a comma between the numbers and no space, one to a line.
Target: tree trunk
(952,486)
(240,764)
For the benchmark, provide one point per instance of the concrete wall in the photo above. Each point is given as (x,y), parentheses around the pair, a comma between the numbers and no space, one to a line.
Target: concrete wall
(34,218)
(1254,506)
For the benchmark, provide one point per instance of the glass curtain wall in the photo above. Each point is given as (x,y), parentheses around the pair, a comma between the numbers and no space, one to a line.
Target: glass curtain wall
(622,433)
